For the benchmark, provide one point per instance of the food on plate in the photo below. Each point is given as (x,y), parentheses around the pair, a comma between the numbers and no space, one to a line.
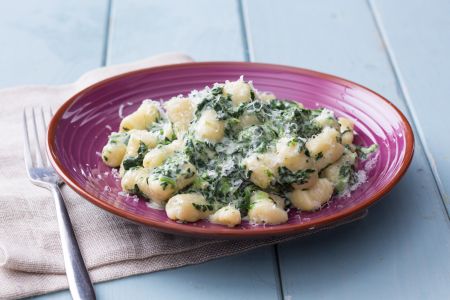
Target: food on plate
(229,153)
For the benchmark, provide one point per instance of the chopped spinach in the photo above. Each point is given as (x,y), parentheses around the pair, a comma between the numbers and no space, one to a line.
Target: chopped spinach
(136,191)
(319,155)
(347,177)
(119,138)
(203,207)
(136,161)
(364,152)
(286,177)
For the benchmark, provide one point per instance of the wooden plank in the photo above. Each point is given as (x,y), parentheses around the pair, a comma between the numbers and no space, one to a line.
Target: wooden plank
(140,29)
(417,35)
(50,42)
(248,276)
(240,277)
(400,250)
(204,30)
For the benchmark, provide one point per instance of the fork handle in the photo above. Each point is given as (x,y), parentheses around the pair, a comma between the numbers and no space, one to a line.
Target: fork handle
(80,284)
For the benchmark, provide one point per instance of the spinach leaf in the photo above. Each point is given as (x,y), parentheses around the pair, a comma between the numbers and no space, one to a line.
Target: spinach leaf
(286,177)
(203,207)
(364,152)
(136,161)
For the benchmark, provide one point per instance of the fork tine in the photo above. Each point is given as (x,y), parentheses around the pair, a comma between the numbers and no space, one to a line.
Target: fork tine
(27,152)
(40,161)
(45,127)
(44,123)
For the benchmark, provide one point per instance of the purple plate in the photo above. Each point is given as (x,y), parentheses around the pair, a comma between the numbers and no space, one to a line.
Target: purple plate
(81,126)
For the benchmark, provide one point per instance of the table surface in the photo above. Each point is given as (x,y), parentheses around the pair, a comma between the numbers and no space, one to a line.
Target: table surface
(401,250)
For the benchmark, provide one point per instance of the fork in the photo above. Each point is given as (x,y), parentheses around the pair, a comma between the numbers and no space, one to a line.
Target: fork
(42,174)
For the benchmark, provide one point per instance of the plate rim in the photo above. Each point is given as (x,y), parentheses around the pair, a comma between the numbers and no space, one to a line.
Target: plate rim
(226,232)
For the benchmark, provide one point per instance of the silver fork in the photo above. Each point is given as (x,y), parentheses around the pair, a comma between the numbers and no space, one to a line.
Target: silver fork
(42,174)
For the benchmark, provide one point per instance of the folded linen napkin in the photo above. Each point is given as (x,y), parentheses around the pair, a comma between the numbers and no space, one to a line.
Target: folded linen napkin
(31,261)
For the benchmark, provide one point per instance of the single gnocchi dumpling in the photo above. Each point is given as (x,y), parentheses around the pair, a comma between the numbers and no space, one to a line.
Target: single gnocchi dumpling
(137,181)
(158,190)
(188,207)
(291,156)
(180,111)
(209,127)
(131,178)
(186,175)
(138,136)
(239,91)
(247,120)
(164,181)
(325,148)
(142,118)
(312,180)
(339,172)
(227,215)
(326,118)
(313,198)
(346,131)
(157,156)
(263,168)
(264,210)
(114,151)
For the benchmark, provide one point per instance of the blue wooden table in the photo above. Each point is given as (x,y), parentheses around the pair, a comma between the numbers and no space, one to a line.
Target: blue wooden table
(398,48)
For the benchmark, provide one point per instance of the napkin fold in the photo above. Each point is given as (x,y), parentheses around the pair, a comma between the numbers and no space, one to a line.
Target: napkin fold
(31,260)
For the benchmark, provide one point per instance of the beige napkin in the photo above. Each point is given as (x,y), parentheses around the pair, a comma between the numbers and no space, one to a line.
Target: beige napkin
(31,261)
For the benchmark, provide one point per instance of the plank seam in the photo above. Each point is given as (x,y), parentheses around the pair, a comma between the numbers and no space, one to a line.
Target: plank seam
(409,105)
(245,29)
(278,273)
(107,34)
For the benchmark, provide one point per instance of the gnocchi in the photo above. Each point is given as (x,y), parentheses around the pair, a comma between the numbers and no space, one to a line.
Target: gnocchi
(290,156)
(156,157)
(239,91)
(209,127)
(263,168)
(230,153)
(325,147)
(114,151)
(138,136)
(339,172)
(346,131)
(142,118)
(227,215)
(313,198)
(187,207)
(180,112)
(265,210)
